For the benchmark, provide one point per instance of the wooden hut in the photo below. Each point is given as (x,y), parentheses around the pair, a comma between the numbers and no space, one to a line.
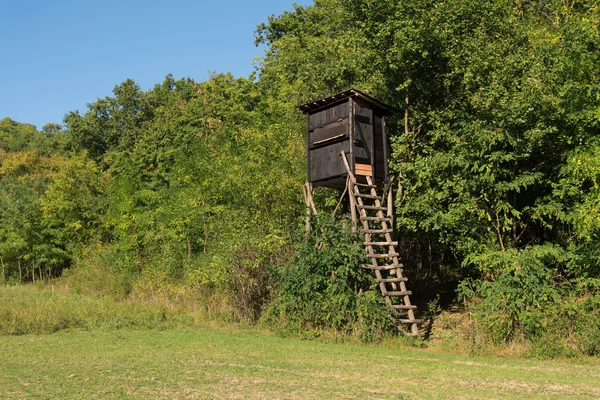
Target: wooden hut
(352,122)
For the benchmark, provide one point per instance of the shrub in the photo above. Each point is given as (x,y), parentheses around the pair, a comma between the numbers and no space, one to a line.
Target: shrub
(571,327)
(518,288)
(249,286)
(322,287)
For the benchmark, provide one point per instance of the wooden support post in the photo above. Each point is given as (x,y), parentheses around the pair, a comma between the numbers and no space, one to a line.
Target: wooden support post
(306,203)
(311,202)
(390,207)
(339,203)
(307,190)
(350,190)
(390,201)
(351,128)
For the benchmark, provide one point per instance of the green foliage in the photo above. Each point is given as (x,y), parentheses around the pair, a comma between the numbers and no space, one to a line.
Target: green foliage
(492,142)
(493,130)
(27,311)
(73,202)
(322,288)
(519,288)
(28,251)
(569,328)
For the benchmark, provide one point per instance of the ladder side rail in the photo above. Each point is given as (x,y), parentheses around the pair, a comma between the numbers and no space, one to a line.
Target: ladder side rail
(392,249)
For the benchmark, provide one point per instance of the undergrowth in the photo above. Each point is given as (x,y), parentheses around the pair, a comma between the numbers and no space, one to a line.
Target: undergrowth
(321,289)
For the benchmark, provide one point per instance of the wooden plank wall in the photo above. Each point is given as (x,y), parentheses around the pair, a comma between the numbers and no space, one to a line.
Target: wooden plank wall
(327,116)
(380,159)
(325,162)
(328,133)
(363,122)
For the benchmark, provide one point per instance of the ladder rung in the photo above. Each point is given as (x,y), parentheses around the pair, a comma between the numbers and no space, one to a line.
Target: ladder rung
(386,219)
(365,185)
(381,243)
(372,208)
(409,321)
(398,293)
(377,231)
(392,280)
(367,196)
(403,307)
(389,255)
(382,267)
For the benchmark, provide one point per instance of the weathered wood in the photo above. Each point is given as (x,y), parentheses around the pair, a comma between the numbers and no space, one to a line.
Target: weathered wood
(400,285)
(310,204)
(366,185)
(352,202)
(377,231)
(371,134)
(410,321)
(351,133)
(330,138)
(351,121)
(385,146)
(307,204)
(326,163)
(399,293)
(367,196)
(390,206)
(348,169)
(394,280)
(373,208)
(379,219)
(382,267)
(381,243)
(340,200)
(309,191)
(403,307)
(309,176)
(329,132)
(363,119)
(394,284)
(387,255)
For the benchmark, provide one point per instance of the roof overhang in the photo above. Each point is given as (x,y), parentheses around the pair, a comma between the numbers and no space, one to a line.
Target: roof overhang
(317,105)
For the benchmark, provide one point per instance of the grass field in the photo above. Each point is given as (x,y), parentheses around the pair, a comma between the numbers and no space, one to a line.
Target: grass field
(177,363)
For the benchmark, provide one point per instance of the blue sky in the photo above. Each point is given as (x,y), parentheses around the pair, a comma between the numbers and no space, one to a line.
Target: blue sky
(60,55)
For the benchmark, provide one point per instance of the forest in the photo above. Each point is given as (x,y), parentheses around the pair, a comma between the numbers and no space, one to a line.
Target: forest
(197,186)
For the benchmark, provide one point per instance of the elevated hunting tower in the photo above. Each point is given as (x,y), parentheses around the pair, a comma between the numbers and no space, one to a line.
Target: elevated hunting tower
(352,122)
(347,149)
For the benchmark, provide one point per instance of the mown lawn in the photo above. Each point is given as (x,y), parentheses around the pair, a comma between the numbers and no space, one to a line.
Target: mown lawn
(178,363)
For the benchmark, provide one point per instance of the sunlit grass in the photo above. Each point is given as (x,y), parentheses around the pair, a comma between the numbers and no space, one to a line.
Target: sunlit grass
(177,363)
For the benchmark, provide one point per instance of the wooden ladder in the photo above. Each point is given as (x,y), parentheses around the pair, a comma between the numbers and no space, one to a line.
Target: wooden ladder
(381,249)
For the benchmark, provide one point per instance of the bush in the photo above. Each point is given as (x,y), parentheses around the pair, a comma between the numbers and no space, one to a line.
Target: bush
(96,273)
(570,328)
(249,286)
(519,287)
(323,287)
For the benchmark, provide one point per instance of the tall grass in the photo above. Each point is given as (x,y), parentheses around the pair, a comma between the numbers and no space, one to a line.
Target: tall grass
(45,308)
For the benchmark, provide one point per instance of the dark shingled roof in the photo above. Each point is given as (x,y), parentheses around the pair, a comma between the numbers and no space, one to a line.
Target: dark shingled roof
(321,103)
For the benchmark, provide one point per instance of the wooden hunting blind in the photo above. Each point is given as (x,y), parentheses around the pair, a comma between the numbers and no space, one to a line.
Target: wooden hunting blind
(352,122)
(347,148)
